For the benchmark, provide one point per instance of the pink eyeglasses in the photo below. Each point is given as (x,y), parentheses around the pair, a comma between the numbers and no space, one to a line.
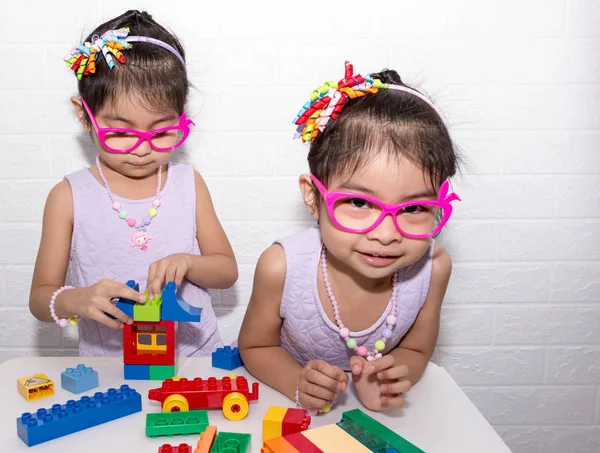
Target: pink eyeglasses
(358,213)
(122,141)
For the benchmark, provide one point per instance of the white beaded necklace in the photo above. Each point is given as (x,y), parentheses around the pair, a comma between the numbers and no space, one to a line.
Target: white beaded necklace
(344,332)
(140,237)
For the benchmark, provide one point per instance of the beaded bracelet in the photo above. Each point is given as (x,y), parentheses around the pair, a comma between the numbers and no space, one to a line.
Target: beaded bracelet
(312,411)
(73,320)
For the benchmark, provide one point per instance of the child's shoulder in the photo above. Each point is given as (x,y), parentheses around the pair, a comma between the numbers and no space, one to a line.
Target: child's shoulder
(307,240)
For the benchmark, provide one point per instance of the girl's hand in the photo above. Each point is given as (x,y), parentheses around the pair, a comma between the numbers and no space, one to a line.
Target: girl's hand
(319,382)
(173,268)
(380,383)
(97,302)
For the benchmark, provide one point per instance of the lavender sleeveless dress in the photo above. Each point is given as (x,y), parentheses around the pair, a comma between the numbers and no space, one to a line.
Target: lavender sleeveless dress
(308,334)
(101,247)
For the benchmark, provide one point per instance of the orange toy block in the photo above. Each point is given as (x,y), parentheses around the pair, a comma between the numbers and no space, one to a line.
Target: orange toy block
(206,440)
(278,445)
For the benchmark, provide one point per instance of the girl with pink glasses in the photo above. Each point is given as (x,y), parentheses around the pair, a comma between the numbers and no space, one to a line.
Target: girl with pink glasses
(362,291)
(132,214)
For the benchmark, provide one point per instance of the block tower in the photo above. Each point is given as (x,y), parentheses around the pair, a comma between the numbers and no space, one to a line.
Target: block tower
(150,342)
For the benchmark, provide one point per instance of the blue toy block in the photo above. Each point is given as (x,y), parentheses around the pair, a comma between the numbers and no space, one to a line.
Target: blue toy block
(174,308)
(79,380)
(126,305)
(226,358)
(139,372)
(74,416)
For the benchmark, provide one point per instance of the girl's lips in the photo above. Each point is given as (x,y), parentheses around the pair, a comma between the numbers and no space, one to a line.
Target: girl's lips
(377,260)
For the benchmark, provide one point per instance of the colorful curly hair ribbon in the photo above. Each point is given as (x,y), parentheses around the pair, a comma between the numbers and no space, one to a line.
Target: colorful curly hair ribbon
(82,59)
(327,101)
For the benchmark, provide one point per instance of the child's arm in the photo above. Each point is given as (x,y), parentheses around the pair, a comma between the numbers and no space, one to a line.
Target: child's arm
(260,347)
(215,268)
(51,268)
(380,384)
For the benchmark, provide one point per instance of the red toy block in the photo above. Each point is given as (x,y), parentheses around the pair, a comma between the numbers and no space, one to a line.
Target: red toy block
(301,443)
(181,448)
(294,421)
(131,356)
(232,395)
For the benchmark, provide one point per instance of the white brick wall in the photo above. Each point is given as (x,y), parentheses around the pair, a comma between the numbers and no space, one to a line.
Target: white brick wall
(519,81)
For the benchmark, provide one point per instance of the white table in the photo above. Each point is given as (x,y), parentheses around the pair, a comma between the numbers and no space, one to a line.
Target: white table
(438,418)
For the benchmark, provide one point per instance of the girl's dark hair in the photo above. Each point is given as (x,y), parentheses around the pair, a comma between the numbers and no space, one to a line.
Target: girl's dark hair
(393,121)
(152,74)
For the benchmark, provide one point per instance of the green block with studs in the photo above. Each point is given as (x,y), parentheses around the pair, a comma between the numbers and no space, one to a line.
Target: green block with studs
(230,442)
(149,311)
(162,372)
(176,423)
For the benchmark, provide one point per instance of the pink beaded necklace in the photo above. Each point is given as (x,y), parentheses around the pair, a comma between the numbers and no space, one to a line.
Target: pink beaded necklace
(344,332)
(140,237)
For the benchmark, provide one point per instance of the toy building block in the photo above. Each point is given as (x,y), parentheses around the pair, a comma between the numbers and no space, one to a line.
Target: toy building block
(365,424)
(226,358)
(139,372)
(231,442)
(232,395)
(74,416)
(297,441)
(35,386)
(149,343)
(279,445)
(295,420)
(207,438)
(148,311)
(272,422)
(126,305)
(176,423)
(162,372)
(174,308)
(79,380)
(181,448)
(332,438)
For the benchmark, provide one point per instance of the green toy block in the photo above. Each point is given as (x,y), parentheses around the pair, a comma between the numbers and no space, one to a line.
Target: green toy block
(231,443)
(176,423)
(162,372)
(148,311)
(366,429)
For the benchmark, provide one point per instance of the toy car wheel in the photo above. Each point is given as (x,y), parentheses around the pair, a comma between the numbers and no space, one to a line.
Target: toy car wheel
(176,403)
(235,406)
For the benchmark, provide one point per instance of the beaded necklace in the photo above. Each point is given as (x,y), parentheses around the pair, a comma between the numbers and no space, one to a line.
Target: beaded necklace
(140,237)
(344,332)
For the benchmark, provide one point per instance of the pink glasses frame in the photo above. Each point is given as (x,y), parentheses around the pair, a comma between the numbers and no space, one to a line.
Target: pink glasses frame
(184,126)
(443,202)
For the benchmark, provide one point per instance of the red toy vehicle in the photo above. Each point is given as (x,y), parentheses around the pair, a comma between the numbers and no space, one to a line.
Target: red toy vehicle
(230,393)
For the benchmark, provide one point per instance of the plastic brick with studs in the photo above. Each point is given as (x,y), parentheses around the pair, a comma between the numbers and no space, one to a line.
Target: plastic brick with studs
(79,380)
(230,394)
(174,308)
(230,443)
(226,358)
(363,424)
(35,386)
(181,448)
(281,421)
(176,423)
(61,420)
(148,311)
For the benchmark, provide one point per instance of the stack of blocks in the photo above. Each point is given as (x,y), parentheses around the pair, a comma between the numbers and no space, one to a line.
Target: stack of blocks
(356,433)
(150,342)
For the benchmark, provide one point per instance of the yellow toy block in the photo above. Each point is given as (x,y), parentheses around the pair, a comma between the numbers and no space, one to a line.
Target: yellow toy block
(272,422)
(35,386)
(333,439)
